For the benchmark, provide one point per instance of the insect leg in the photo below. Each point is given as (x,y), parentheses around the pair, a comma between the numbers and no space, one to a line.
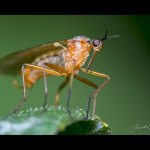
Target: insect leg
(95,93)
(57,96)
(61,70)
(69,92)
(49,71)
(24,91)
(57,68)
(89,83)
(45,89)
(69,79)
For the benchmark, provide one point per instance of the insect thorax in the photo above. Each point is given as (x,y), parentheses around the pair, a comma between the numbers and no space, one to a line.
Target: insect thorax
(78,52)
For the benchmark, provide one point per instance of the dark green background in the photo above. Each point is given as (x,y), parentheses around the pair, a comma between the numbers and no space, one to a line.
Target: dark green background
(125,101)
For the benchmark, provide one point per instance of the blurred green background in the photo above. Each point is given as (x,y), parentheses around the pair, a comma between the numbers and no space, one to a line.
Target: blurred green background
(125,101)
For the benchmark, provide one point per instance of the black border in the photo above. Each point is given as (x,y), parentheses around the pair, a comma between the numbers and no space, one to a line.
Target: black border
(74,7)
(76,142)
(114,7)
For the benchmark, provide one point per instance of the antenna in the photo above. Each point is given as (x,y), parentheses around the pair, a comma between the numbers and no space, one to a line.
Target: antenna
(109,37)
(113,36)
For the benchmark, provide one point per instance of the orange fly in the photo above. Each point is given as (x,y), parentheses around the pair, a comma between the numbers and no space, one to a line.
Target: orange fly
(64,58)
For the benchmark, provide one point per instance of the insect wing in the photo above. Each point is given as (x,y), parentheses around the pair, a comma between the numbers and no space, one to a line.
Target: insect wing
(12,63)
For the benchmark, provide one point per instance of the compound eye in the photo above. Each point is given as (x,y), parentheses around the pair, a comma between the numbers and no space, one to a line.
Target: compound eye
(96,42)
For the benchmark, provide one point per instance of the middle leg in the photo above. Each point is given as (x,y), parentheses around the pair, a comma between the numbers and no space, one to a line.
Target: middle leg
(57,96)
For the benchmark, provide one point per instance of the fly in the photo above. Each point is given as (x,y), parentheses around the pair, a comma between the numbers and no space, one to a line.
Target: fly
(64,58)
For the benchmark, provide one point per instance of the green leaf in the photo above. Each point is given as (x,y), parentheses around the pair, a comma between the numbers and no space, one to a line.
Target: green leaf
(53,121)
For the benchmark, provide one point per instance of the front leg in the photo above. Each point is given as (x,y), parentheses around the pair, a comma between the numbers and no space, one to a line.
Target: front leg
(95,93)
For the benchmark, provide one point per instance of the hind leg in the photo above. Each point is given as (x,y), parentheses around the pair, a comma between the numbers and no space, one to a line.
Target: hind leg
(48,71)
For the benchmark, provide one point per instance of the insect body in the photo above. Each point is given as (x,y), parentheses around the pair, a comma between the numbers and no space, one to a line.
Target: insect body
(63,58)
